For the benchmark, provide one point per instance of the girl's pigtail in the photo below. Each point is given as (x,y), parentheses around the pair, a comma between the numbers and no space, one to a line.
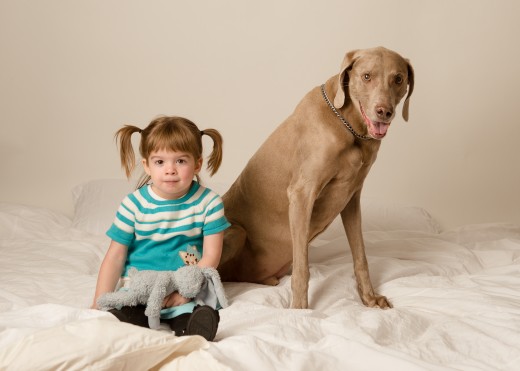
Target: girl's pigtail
(215,158)
(126,151)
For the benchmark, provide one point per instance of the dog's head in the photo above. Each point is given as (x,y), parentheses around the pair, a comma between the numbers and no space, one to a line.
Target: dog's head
(374,81)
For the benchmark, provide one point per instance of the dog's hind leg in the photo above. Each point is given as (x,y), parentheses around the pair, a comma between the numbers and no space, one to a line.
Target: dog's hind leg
(234,242)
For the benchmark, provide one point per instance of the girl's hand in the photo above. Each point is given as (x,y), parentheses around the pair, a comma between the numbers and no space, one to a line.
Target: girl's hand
(174,300)
(110,270)
(211,252)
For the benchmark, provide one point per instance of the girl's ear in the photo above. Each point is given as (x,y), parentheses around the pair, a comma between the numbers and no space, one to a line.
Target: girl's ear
(146,167)
(198,165)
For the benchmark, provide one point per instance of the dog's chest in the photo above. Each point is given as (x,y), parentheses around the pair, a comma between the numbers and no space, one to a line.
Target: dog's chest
(354,163)
(352,169)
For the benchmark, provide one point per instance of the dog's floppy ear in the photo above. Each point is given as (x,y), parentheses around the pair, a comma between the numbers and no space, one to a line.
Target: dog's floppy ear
(348,61)
(411,80)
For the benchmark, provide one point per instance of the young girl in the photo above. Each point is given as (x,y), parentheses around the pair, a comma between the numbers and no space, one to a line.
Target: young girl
(169,221)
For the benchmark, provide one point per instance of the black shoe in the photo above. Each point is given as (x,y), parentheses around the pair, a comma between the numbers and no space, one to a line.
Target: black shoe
(179,323)
(204,322)
(134,315)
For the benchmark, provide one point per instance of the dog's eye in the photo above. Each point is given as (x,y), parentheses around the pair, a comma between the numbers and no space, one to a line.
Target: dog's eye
(398,79)
(366,77)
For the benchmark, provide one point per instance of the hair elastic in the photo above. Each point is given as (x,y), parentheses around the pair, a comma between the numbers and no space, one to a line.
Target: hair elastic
(201,132)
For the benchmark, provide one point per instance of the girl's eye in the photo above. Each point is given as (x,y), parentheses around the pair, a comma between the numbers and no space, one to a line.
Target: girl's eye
(366,77)
(181,161)
(398,79)
(159,162)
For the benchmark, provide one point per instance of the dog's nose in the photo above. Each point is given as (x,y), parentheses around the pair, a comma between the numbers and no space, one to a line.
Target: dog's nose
(384,113)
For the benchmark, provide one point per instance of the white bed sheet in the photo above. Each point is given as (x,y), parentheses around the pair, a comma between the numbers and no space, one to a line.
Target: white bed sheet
(456,298)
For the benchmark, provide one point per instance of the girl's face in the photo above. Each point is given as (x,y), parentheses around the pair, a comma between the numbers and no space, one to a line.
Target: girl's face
(171,172)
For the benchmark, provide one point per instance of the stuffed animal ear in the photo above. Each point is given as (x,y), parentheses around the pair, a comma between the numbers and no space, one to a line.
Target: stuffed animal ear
(343,78)
(213,277)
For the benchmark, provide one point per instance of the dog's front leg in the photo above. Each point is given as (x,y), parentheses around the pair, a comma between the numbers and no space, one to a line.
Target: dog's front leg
(351,217)
(301,202)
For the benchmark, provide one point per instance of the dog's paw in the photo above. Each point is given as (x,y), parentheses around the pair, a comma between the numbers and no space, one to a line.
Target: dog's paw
(271,281)
(377,301)
(299,303)
(382,302)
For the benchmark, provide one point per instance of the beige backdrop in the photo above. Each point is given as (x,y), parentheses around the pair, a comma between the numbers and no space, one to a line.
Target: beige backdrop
(73,72)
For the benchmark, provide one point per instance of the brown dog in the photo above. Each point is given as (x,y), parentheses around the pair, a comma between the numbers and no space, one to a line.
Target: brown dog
(309,170)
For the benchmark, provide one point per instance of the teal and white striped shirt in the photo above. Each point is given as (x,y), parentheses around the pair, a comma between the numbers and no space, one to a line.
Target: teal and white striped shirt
(167,234)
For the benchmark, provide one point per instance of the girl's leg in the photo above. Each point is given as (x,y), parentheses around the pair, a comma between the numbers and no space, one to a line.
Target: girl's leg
(202,321)
(134,315)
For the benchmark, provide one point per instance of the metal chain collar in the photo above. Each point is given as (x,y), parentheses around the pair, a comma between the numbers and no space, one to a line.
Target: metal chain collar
(347,125)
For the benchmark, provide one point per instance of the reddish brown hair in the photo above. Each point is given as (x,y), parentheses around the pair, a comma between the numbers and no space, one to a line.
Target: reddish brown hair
(167,133)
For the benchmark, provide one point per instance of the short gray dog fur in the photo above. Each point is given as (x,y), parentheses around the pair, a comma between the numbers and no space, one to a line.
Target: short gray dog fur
(151,287)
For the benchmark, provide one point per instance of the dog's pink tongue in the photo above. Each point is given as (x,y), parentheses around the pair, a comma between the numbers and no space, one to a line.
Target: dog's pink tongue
(380,128)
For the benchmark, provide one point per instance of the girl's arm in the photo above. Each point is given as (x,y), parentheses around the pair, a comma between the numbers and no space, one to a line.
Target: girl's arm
(211,252)
(110,271)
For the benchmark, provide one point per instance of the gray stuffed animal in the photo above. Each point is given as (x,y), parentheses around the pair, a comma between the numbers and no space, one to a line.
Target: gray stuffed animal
(151,287)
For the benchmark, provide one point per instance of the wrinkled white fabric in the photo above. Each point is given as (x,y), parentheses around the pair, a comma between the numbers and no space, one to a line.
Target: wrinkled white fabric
(456,298)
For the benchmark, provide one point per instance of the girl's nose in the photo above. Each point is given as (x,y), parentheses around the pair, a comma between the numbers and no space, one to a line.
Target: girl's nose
(171,169)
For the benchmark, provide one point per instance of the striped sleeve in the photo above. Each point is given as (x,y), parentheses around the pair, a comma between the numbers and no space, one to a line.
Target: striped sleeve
(215,221)
(122,229)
